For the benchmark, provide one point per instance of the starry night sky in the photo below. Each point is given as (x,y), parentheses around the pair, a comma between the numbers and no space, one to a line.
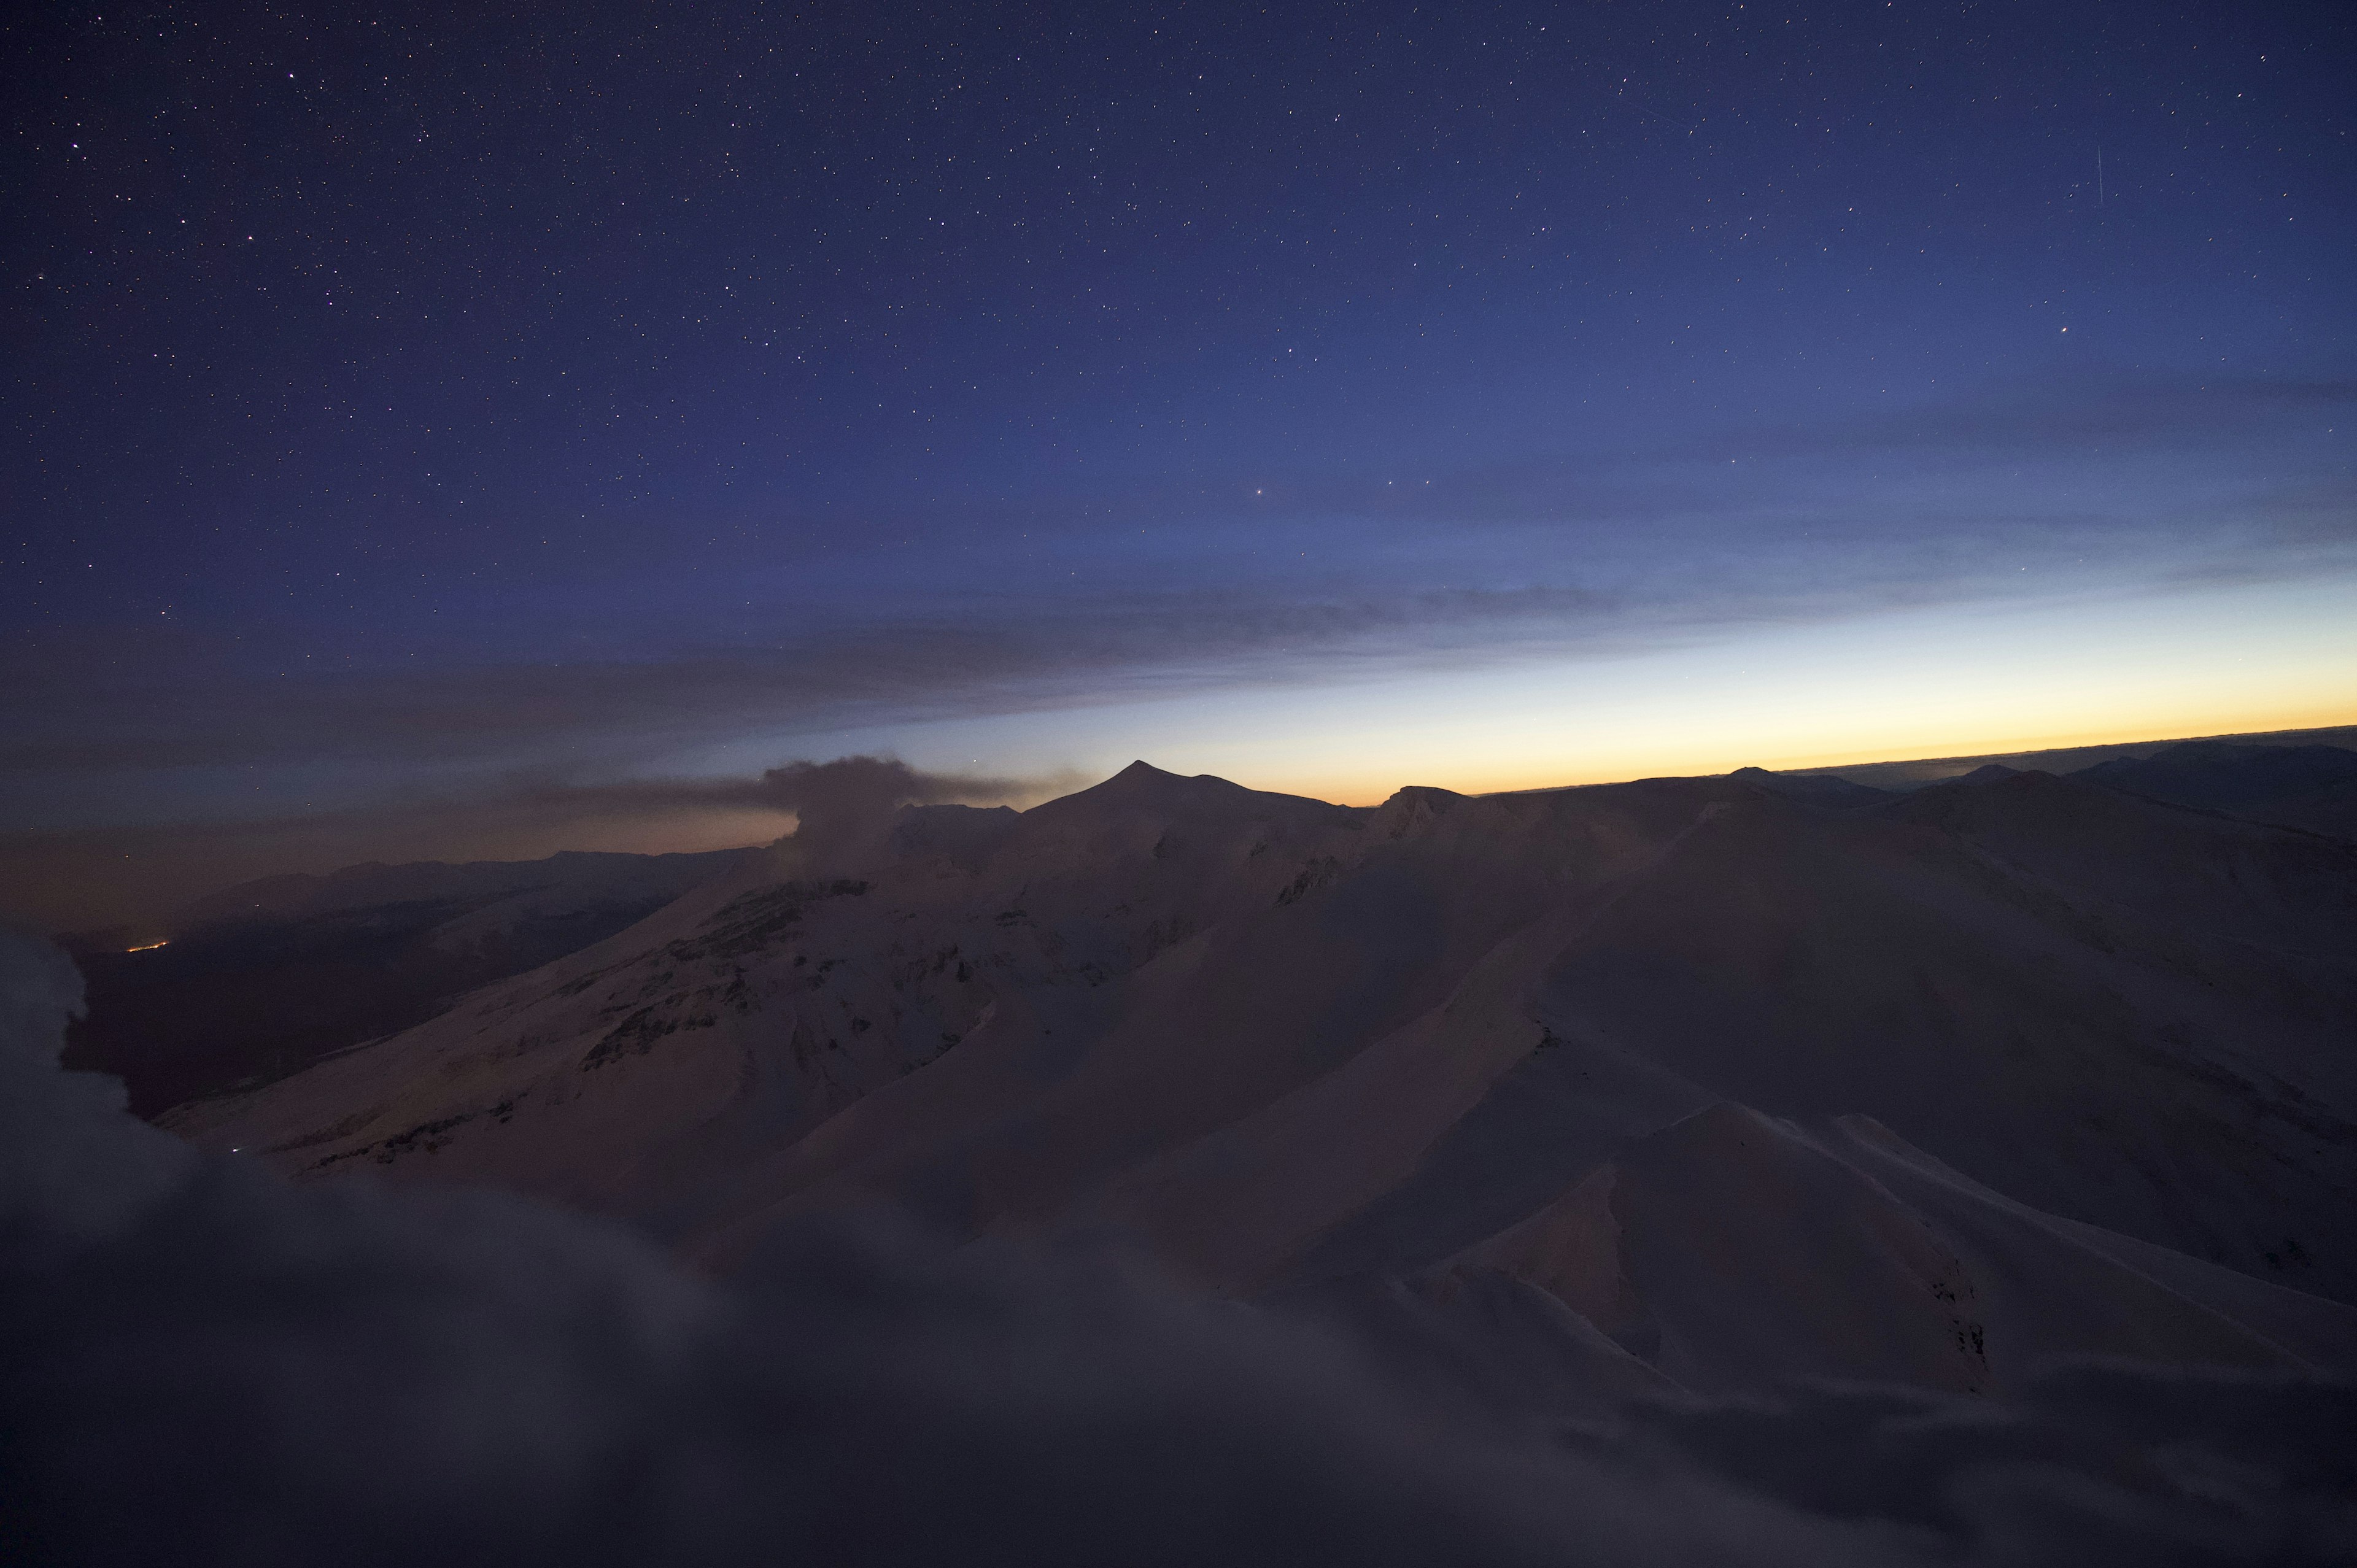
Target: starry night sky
(410,407)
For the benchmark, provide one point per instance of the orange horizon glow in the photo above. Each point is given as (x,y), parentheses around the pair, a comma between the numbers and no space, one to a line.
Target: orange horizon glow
(1668,744)
(1946,686)
(1916,688)
(1978,749)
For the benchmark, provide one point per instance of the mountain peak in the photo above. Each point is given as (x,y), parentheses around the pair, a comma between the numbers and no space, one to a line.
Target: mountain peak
(1821,788)
(1144,780)
(1143,784)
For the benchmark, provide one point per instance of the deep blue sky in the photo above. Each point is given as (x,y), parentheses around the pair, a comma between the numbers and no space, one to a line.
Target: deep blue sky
(406,402)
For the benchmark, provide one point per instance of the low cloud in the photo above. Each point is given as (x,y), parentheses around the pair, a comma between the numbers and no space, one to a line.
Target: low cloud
(137,876)
(835,804)
(207,1364)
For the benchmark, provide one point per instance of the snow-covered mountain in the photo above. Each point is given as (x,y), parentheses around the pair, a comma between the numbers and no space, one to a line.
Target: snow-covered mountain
(1692,1083)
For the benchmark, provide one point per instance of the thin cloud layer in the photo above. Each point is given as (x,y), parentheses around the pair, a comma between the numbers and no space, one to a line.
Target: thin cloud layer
(1575,551)
(87,879)
(177,759)
(143,716)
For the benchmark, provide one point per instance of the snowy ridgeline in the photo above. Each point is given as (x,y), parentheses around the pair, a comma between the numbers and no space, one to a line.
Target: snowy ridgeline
(1700,1169)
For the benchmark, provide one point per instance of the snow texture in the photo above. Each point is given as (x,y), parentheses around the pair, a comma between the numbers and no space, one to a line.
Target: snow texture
(210,1364)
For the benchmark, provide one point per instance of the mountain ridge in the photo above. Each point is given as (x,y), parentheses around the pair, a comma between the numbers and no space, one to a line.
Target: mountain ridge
(1303,1049)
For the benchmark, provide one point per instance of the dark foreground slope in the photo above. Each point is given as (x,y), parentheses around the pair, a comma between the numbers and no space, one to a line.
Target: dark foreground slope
(209,1366)
(265,978)
(1686,1083)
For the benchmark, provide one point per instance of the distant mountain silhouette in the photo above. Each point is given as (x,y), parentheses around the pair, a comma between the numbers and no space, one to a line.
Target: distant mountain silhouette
(1824,788)
(2311,787)
(1916,773)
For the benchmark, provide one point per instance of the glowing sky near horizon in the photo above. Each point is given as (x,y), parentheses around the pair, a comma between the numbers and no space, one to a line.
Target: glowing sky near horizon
(416,411)
(1950,682)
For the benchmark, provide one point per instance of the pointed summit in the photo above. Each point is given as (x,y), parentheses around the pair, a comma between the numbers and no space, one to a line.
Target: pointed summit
(1141,787)
(1143,780)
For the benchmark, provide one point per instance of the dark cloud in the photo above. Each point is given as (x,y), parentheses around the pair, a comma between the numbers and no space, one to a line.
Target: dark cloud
(828,800)
(94,729)
(207,1365)
(180,703)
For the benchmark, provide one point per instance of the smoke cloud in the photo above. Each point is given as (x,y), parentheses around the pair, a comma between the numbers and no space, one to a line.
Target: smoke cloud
(207,1364)
(832,804)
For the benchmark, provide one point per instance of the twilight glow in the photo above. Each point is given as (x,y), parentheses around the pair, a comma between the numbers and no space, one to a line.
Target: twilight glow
(1488,398)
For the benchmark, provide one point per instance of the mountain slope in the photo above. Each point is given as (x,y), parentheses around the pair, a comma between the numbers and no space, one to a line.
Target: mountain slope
(1945,1046)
